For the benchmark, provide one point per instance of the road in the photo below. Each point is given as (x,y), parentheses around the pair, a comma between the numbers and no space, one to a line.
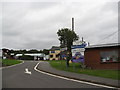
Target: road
(15,77)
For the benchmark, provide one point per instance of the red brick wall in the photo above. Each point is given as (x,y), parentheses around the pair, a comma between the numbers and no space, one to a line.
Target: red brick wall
(92,59)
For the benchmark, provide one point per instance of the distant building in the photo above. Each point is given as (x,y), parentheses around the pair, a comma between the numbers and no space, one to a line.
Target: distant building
(106,56)
(46,57)
(54,53)
(36,56)
(5,53)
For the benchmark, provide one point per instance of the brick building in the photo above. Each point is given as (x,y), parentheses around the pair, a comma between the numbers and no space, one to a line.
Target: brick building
(106,56)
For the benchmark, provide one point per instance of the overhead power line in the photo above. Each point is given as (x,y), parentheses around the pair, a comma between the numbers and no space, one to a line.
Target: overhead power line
(109,35)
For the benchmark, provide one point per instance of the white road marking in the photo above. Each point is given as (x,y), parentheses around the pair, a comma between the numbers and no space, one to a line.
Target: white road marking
(28,72)
(35,68)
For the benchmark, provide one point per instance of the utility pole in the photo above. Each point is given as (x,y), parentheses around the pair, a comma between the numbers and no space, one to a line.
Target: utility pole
(72,23)
(69,54)
(88,44)
(82,39)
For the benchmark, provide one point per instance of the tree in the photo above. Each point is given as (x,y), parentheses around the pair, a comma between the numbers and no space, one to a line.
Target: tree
(33,51)
(45,51)
(66,37)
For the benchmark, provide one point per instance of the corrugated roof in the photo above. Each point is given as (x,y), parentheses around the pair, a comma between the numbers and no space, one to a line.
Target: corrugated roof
(103,45)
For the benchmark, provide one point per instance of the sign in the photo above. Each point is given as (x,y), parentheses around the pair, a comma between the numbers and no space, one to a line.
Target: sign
(77,43)
(78,57)
(78,49)
(79,46)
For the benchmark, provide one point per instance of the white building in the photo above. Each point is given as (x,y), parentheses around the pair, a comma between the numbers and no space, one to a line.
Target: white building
(37,56)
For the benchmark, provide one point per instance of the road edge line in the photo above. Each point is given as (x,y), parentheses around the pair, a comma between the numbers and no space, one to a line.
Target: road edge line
(70,79)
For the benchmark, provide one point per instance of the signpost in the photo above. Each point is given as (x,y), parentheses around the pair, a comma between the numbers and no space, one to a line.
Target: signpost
(78,49)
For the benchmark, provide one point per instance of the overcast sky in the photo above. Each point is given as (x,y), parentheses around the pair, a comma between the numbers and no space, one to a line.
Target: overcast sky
(34,24)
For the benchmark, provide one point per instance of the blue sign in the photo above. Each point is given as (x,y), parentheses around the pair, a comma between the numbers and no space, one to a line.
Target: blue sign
(78,57)
(79,46)
(52,51)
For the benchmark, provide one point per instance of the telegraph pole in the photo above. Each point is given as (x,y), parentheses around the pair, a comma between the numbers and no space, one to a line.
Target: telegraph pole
(82,39)
(88,44)
(69,54)
(72,23)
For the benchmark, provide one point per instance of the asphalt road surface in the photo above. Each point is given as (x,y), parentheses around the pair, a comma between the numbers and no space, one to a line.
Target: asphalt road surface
(15,77)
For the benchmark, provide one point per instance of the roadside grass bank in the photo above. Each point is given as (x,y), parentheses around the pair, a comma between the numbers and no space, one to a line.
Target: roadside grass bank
(76,68)
(0,60)
(9,62)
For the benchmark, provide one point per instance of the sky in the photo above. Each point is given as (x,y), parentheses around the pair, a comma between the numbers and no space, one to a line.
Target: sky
(33,24)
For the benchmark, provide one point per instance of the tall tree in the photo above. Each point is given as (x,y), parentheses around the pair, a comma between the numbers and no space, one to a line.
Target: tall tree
(66,37)
(45,51)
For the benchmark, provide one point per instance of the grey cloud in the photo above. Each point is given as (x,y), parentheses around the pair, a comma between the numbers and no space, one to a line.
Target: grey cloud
(42,5)
(6,33)
(13,42)
(110,6)
(40,44)
(98,23)
(34,25)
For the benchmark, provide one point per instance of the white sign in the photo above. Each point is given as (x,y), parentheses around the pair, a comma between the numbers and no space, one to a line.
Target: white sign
(81,50)
(78,50)
(78,46)
(77,43)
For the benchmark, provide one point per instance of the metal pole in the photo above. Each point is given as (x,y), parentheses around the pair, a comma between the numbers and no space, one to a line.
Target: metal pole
(88,44)
(72,23)
(82,39)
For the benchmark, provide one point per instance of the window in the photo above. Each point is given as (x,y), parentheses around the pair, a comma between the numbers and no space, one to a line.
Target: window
(51,56)
(57,55)
(109,56)
(52,51)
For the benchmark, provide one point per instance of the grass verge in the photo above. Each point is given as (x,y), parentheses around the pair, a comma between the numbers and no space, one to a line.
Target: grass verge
(9,62)
(76,68)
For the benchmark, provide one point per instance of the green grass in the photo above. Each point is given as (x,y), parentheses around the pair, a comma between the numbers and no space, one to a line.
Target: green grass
(76,67)
(9,62)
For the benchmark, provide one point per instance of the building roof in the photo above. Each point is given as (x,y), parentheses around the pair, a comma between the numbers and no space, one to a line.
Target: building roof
(19,54)
(36,54)
(55,48)
(103,45)
(32,54)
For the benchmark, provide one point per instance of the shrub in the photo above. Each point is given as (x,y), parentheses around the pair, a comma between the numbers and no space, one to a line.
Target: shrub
(27,57)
